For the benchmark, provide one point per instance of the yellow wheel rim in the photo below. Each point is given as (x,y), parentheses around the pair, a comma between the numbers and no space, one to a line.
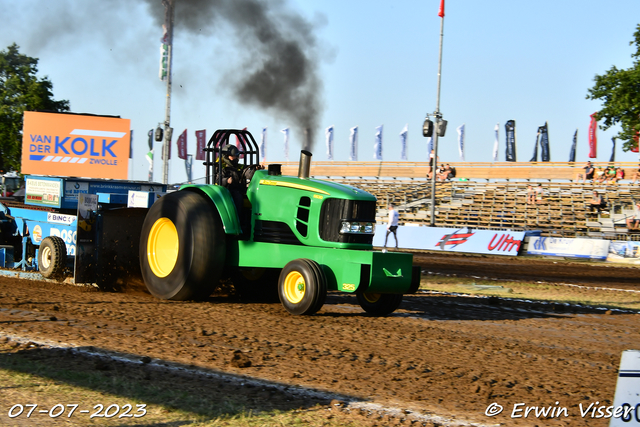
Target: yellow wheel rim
(371,298)
(294,287)
(162,247)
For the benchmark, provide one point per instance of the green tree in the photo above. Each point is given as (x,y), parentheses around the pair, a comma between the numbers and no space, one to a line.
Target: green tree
(20,90)
(619,91)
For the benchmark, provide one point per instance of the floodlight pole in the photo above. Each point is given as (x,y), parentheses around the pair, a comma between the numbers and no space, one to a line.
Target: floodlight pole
(438,118)
(166,145)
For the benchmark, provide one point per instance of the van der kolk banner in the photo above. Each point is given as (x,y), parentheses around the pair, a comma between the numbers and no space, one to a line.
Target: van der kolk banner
(75,145)
(467,240)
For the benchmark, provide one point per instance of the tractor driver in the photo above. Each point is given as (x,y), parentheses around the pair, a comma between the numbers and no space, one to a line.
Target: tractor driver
(233,177)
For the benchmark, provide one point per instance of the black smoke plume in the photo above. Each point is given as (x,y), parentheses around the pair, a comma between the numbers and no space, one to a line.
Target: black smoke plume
(279,73)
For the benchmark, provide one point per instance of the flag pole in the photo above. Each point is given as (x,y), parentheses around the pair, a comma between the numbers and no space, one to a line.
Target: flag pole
(166,146)
(438,117)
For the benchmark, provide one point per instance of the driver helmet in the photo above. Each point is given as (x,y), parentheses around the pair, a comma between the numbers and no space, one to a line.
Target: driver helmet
(230,150)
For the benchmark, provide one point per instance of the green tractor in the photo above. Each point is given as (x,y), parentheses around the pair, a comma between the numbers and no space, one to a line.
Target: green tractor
(298,235)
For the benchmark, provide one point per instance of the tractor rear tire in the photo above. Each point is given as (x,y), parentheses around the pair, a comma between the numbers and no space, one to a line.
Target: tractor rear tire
(302,287)
(182,247)
(379,304)
(52,257)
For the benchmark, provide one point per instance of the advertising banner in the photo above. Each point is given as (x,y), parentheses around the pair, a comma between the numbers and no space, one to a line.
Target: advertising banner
(624,252)
(201,142)
(545,153)
(182,145)
(492,242)
(593,137)
(75,145)
(43,192)
(575,248)
(510,134)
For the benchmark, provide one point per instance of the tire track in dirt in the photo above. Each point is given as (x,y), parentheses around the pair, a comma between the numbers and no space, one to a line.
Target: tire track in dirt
(451,356)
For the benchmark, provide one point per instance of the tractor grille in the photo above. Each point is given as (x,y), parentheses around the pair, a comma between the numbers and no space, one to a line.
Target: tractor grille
(334,211)
(274,232)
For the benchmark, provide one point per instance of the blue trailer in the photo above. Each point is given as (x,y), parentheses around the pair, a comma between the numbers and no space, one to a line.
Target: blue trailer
(76,229)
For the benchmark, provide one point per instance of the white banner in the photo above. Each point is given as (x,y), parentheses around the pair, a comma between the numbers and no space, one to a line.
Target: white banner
(329,134)
(468,240)
(575,248)
(353,143)
(496,143)
(403,142)
(285,131)
(460,130)
(377,147)
(263,145)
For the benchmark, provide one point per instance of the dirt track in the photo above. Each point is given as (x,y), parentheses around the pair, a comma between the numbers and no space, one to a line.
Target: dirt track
(450,356)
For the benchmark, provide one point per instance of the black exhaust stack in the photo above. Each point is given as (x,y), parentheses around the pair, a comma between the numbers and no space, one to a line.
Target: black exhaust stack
(305,164)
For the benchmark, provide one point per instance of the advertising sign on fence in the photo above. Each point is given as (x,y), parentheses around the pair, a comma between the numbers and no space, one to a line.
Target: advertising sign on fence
(625,252)
(491,242)
(75,145)
(576,248)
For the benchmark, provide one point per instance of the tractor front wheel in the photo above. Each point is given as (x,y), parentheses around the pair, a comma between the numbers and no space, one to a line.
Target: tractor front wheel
(182,247)
(302,287)
(379,304)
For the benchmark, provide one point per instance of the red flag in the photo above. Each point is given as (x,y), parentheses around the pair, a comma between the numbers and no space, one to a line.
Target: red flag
(593,139)
(637,140)
(441,11)
(201,138)
(182,145)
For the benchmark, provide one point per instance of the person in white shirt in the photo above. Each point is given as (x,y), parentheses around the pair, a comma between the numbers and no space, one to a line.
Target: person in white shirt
(634,221)
(392,225)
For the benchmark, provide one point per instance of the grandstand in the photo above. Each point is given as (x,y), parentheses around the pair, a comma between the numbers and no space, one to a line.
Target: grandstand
(494,195)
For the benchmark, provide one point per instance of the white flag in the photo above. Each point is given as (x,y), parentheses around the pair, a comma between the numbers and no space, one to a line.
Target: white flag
(460,130)
(353,142)
(429,146)
(377,147)
(403,142)
(329,134)
(286,143)
(495,144)
(263,145)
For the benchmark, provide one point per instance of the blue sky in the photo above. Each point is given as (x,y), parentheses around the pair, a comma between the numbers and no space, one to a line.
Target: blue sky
(532,62)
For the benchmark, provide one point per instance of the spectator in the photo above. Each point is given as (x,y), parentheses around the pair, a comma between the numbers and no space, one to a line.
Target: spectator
(531,195)
(539,192)
(634,221)
(610,174)
(392,225)
(587,174)
(599,175)
(444,172)
(636,175)
(619,175)
(452,171)
(440,173)
(597,203)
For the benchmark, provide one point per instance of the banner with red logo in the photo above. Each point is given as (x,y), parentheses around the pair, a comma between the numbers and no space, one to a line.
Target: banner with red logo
(491,242)
(593,138)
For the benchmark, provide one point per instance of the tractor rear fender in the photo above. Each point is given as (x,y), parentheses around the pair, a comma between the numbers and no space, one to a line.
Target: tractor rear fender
(221,199)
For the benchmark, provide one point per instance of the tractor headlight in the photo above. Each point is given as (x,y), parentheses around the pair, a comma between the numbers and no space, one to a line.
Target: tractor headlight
(356,227)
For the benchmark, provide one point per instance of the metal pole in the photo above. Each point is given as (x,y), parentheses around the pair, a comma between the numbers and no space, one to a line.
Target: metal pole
(438,117)
(166,146)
